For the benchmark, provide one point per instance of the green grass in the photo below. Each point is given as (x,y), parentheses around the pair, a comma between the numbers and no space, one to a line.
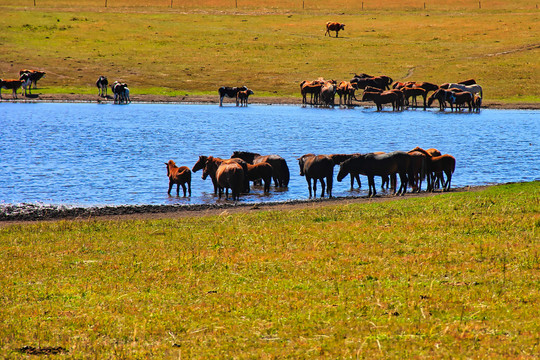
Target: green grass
(158,50)
(451,276)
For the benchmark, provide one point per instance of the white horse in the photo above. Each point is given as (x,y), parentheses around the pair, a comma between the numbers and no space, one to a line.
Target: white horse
(473,89)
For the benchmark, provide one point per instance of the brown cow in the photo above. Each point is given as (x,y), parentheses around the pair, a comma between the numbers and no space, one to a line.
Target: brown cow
(179,176)
(243,96)
(334,26)
(10,84)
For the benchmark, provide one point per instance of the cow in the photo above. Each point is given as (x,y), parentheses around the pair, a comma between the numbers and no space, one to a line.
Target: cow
(10,84)
(334,26)
(102,84)
(243,96)
(26,83)
(230,92)
(35,75)
(121,92)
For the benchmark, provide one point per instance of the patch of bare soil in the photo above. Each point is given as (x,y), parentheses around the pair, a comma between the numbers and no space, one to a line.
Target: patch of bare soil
(211,99)
(23,213)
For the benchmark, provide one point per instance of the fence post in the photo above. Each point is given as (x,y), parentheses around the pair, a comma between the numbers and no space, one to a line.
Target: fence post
(105,3)
(362,5)
(303,5)
(424,6)
(479,4)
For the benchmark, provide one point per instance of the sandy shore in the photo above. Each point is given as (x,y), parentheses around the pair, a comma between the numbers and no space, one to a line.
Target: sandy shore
(211,99)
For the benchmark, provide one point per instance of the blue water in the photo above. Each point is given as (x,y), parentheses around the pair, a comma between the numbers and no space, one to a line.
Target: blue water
(104,154)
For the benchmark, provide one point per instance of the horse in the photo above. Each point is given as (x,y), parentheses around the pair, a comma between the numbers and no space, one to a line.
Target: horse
(228,174)
(313,88)
(179,176)
(201,163)
(280,169)
(440,164)
(443,96)
(317,167)
(463,98)
(371,165)
(381,98)
(473,89)
(413,92)
(418,170)
(334,26)
(338,159)
(262,171)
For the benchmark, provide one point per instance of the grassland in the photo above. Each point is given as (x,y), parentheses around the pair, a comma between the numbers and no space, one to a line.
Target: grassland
(195,47)
(451,276)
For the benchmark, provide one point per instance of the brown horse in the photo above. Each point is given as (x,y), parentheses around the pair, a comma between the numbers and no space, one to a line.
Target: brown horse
(387,97)
(413,92)
(439,164)
(201,163)
(280,174)
(339,158)
(418,170)
(228,174)
(317,167)
(443,96)
(179,176)
(371,165)
(260,171)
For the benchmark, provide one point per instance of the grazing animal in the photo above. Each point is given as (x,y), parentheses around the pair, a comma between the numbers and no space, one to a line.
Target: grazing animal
(467,82)
(243,96)
(417,170)
(259,171)
(102,84)
(121,92)
(10,84)
(474,89)
(346,91)
(179,176)
(230,92)
(35,75)
(313,88)
(228,174)
(280,169)
(26,83)
(328,93)
(387,97)
(477,103)
(201,163)
(437,165)
(334,26)
(339,158)
(317,167)
(443,96)
(413,92)
(384,165)
(463,98)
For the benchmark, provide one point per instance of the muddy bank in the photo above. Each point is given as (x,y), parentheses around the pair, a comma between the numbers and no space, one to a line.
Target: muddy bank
(211,99)
(15,213)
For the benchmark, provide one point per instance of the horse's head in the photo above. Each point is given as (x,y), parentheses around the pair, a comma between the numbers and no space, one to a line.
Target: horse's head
(301,165)
(199,164)
(343,171)
(170,164)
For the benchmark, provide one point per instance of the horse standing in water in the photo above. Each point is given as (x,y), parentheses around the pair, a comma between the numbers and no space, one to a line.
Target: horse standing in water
(317,167)
(383,165)
(228,174)
(179,176)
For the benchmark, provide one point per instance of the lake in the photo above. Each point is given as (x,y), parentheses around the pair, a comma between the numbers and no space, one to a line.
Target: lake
(103,154)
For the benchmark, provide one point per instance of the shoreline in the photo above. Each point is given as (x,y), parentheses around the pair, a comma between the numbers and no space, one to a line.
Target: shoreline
(214,99)
(24,213)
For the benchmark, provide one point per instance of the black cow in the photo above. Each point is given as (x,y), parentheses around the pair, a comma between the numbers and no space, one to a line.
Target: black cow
(231,92)
(102,84)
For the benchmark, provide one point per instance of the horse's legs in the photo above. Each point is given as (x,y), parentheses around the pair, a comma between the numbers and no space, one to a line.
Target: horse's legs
(371,183)
(170,187)
(329,184)
(358,180)
(322,185)
(178,189)
(308,179)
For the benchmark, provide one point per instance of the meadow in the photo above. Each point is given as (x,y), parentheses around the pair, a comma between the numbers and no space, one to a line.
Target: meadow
(271,46)
(449,276)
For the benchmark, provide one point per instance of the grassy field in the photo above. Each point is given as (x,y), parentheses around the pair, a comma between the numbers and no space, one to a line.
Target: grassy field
(451,276)
(195,47)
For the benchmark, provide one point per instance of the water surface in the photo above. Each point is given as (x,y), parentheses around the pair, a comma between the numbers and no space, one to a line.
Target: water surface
(104,154)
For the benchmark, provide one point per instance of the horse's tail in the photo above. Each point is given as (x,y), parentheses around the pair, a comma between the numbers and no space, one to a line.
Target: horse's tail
(286,174)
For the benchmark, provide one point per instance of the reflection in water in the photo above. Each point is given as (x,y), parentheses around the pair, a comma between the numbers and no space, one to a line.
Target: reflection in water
(89,154)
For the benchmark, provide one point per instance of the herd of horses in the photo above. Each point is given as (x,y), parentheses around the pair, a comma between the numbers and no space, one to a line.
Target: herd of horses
(383,90)
(237,173)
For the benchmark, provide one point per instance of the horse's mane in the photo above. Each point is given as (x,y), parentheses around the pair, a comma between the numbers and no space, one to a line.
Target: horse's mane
(420,150)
